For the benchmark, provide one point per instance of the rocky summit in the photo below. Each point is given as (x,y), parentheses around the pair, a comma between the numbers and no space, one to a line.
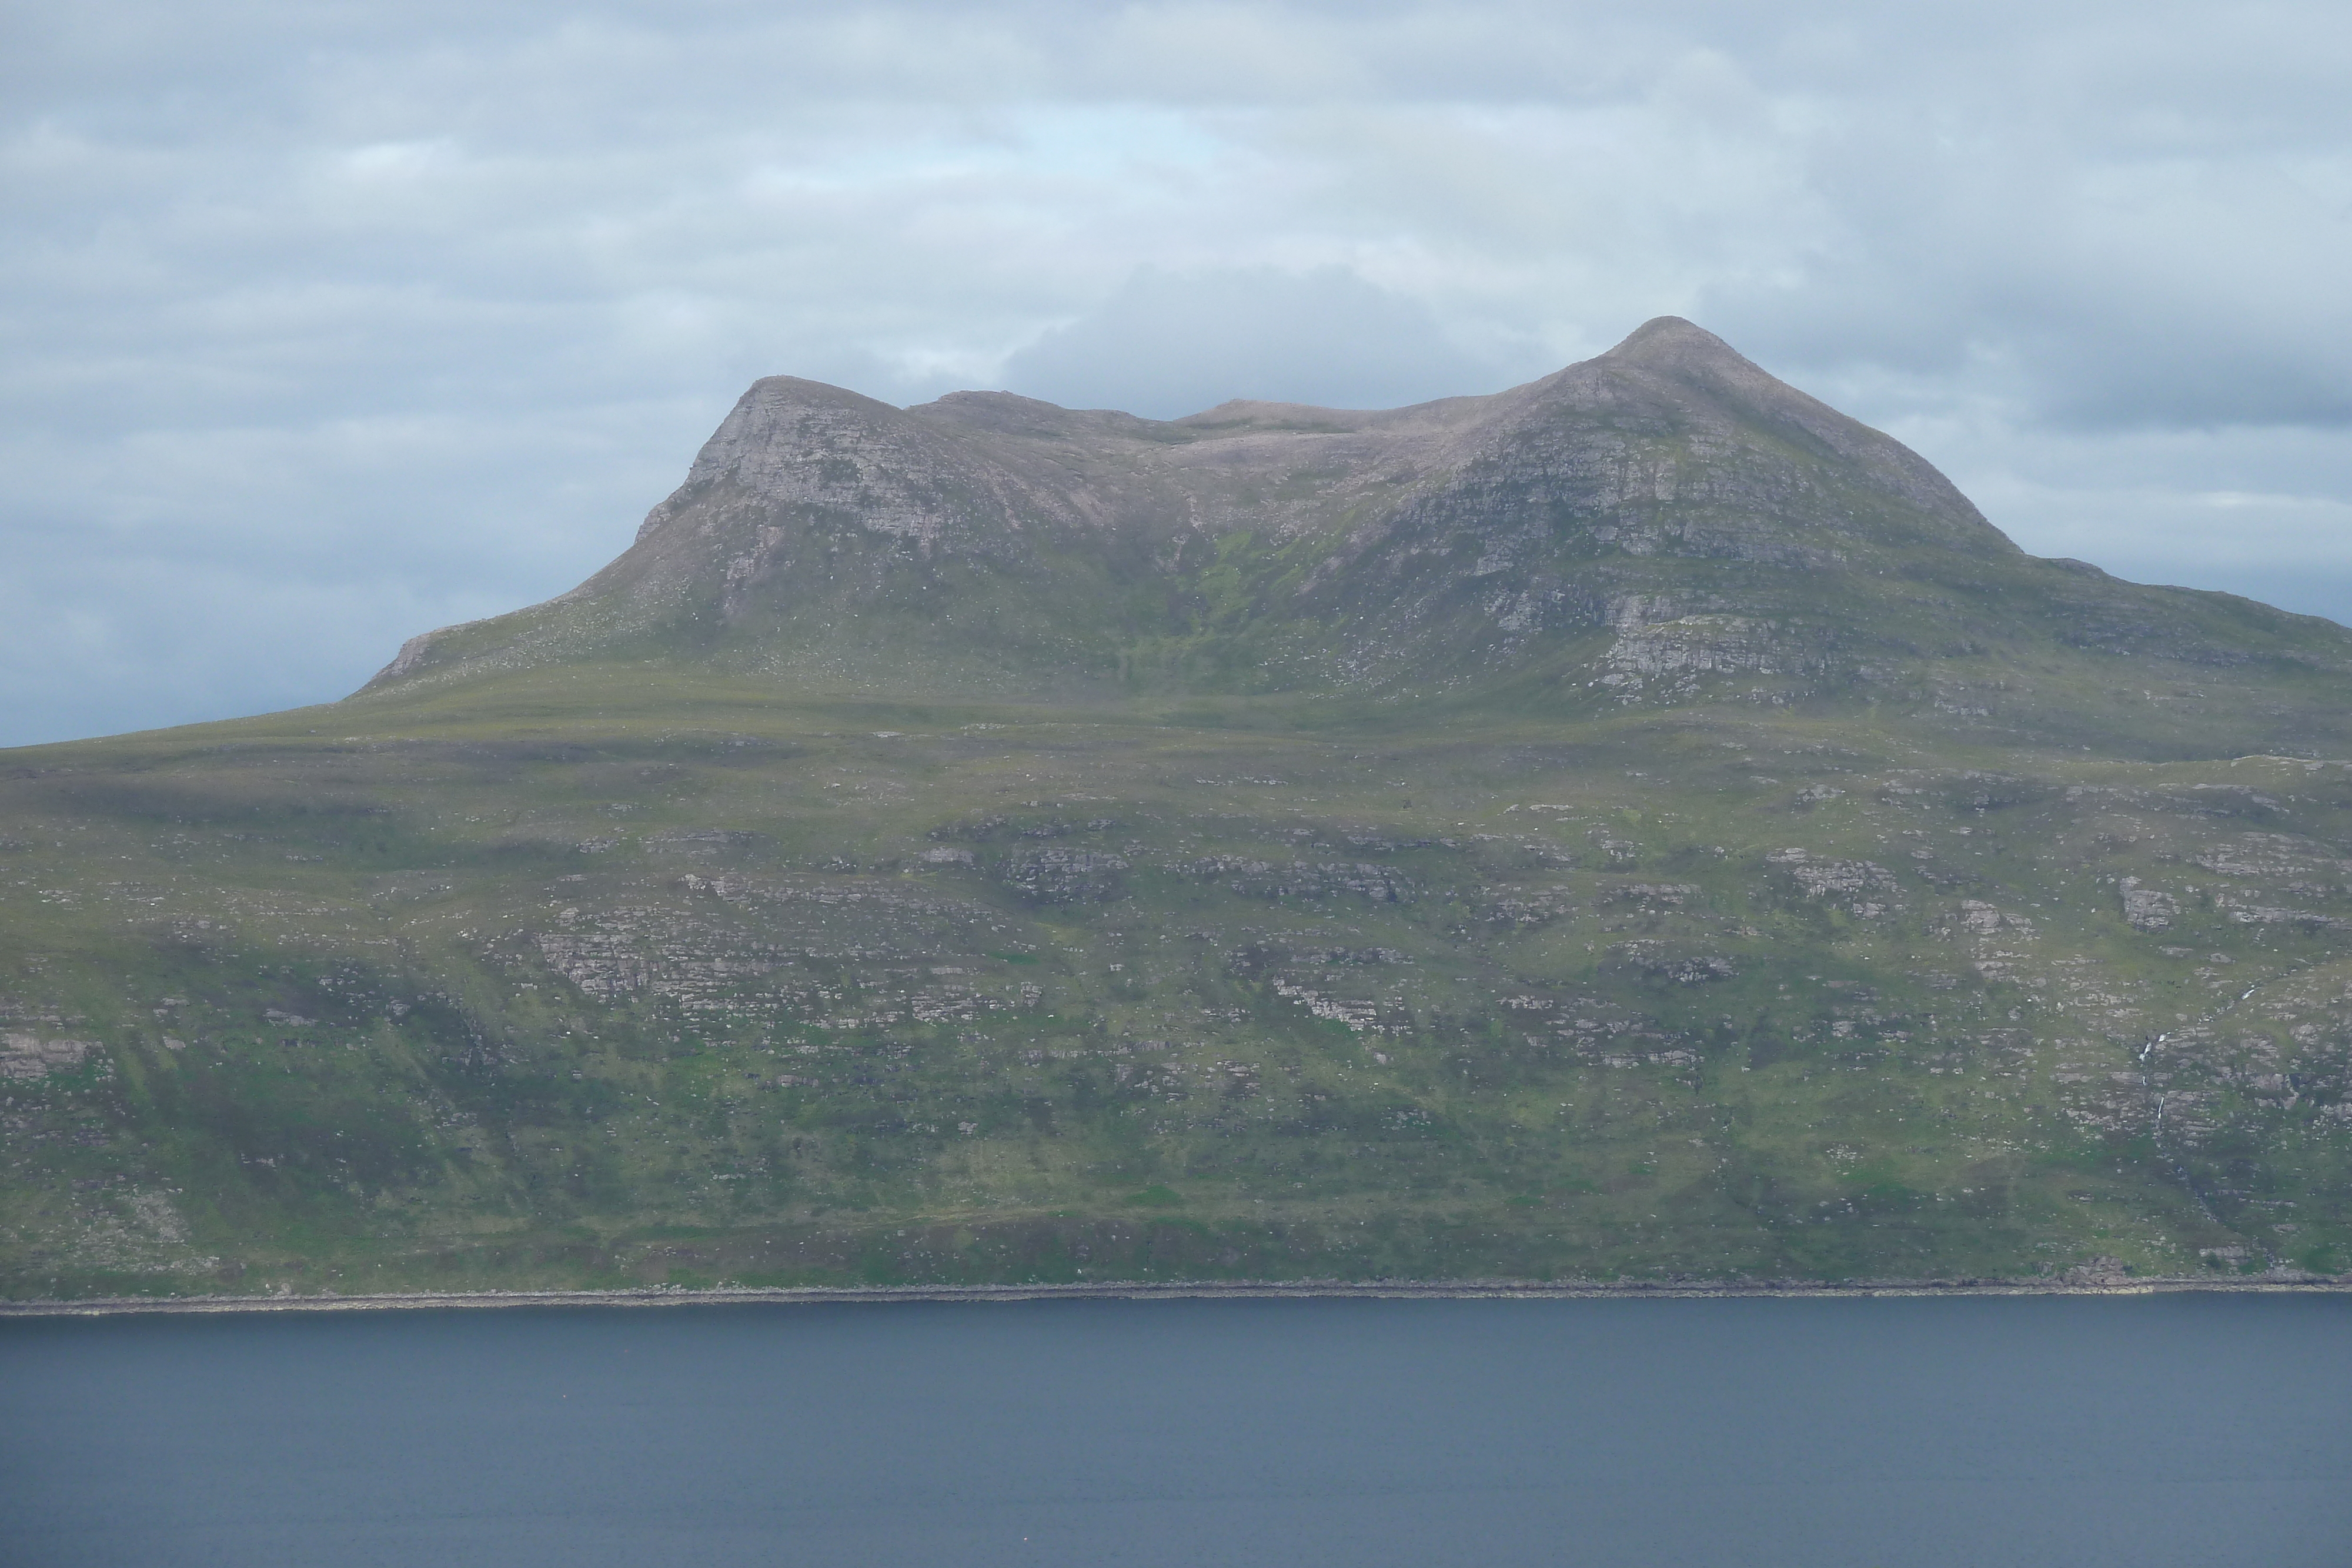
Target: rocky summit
(1643,825)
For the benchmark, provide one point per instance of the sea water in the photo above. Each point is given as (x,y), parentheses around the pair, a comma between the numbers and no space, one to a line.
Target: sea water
(2197,1431)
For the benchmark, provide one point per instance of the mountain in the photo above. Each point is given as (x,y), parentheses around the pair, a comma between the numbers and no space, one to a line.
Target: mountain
(1642,824)
(1661,524)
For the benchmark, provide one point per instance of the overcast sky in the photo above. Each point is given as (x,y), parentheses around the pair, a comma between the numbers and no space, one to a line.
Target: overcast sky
(326,324)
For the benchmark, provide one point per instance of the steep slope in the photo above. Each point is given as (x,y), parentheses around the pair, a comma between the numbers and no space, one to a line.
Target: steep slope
(1663,523)
(834,540)
(1642,824)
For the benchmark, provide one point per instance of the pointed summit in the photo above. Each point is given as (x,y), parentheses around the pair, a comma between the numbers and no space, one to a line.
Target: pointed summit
(1669,342)
(1676,350)
(1673,375)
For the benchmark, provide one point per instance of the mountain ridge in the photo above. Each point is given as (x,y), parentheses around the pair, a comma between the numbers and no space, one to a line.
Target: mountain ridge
(900,484)
(1662,521)
(1643,825)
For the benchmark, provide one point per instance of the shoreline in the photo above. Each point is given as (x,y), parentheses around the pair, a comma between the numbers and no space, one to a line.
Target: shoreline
(1191,1290)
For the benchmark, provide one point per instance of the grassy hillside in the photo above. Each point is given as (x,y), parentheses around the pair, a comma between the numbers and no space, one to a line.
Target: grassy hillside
(597,974)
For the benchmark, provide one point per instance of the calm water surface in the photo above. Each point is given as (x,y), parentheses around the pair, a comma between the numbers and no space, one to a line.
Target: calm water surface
(2204,1431)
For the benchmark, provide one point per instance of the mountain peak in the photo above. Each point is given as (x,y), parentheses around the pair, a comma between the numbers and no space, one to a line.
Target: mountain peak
(1682,350)
(1672,342)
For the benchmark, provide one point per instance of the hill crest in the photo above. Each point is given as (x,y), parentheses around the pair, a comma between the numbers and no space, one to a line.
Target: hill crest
(1665,522)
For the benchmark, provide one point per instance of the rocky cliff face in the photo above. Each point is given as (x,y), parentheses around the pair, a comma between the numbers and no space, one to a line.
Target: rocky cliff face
(1661,523)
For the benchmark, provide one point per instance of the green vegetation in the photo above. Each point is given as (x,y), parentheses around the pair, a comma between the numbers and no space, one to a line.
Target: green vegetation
(1621,839)
(410,994)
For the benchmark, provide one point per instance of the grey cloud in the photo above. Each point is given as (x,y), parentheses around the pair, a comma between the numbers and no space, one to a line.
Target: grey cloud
(2119,223)
(1170,344)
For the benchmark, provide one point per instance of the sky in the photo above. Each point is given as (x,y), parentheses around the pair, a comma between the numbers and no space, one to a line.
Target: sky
(328,323)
